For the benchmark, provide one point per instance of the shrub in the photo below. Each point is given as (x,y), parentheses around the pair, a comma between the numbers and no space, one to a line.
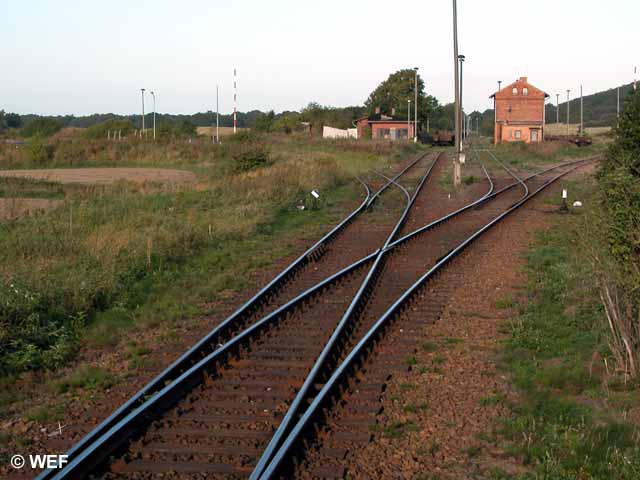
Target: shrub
(43,127)
(250,156)
(39,150)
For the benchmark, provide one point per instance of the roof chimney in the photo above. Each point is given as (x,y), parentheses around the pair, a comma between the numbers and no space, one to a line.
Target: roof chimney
(523,79)
(377,110)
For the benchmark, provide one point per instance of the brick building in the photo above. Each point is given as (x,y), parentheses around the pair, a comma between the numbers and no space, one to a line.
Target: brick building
(519,114)
(384,127)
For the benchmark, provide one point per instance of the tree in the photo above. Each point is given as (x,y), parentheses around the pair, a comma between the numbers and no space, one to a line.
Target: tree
(264,121)
(186,128)
(3,121)
(13,120)
(395,92)
(43,126)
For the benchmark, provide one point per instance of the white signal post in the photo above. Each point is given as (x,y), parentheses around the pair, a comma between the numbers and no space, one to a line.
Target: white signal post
(235,103)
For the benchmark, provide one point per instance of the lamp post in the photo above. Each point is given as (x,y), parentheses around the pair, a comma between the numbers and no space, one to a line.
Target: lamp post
(568,109)
(408,118)
(154,113)
(456,160)
(142,91)
(461,59)
(217,117)
(415,115)
(581,112)
(495,112)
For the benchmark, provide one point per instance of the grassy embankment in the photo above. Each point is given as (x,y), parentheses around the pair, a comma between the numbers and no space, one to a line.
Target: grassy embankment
(123,256)
(575,416)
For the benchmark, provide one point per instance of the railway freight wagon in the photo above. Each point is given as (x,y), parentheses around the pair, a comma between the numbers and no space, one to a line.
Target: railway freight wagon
(444,138)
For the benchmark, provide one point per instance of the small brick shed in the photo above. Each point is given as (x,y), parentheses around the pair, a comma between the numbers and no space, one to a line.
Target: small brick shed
(385,127)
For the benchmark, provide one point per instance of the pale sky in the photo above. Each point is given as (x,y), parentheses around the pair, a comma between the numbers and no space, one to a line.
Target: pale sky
(82,57)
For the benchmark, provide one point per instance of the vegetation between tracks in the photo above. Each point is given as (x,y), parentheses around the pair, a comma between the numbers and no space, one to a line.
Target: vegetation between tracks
(124,255)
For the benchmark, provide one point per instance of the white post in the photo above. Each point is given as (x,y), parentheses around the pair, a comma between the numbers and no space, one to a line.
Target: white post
(408,118)
(142,90)
(235,100)
(217,117)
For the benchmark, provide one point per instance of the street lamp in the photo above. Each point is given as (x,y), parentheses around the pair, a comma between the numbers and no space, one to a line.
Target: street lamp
(408,117)
(461,59)
(568,110)
(456,162)
(415,119)
(142,91)
(154,113)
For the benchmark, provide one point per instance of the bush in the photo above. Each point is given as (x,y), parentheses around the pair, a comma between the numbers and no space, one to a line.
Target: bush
(100,130)
(250,157)
(42,127)
(39,151)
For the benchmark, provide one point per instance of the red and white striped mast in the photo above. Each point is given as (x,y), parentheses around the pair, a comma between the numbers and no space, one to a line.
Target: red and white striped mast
(235,103)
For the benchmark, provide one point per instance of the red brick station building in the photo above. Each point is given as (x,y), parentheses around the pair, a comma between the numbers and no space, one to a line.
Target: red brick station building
(385,126)
(519,111)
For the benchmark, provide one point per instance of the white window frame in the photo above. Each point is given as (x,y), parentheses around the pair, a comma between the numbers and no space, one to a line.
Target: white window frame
(514,92)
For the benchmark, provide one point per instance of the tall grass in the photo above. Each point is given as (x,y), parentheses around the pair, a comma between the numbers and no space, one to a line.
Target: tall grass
(111,250)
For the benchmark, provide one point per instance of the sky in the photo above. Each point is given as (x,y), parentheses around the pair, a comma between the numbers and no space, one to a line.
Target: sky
(83,57)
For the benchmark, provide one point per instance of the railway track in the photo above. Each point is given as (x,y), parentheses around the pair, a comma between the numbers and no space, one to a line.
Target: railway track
(277,300)
(347,397)
(249,390)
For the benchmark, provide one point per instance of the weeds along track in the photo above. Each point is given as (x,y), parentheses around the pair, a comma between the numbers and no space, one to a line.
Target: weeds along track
(235,396)
(341,246)
(341,409)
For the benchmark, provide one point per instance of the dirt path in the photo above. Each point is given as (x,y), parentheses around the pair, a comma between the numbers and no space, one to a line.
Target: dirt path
(104,175)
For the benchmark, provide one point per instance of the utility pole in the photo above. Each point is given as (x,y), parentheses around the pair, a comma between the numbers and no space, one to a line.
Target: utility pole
(217,117)
(558,108)
(142,90)
(461,58)
(415,115)
(568,109)
(456,161)
(235,103)
(618,108)
(581,112)
(495,111)
(408,119)
(154,114)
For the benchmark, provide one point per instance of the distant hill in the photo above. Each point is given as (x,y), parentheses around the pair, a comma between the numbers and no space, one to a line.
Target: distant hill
(599,108)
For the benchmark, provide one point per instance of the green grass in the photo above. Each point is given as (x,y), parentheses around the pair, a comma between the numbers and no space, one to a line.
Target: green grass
(529,156)
(398,429)
(560,429)
(121,256)
(86,378)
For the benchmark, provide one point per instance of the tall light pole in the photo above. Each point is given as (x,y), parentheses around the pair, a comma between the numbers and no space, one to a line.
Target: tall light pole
(408,118)
(558,108)
(495,110)
(461,58)
(235,101)
(154,113)
(415,114)
(618,108)
(568,109)
(581,112)
(217,117)
(142,91)
(456,161)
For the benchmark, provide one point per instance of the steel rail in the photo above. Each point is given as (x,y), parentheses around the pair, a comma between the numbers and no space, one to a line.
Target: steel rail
(490,195)
(349,366)
(194,356)
(153,407)
(328,352)
(524,185)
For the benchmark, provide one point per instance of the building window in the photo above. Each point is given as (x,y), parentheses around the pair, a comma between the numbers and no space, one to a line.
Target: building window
(383,132)
(525,91)
(518,134)
(515,90)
